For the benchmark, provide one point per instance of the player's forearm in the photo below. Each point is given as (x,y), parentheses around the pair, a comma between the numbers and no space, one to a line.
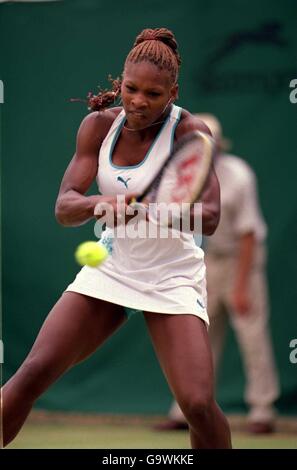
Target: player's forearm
(211,205)
(210,217)
(73,209)
(245,259)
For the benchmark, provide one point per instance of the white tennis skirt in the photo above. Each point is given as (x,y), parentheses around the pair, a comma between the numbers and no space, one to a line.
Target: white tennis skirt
(137,278)
(178,299)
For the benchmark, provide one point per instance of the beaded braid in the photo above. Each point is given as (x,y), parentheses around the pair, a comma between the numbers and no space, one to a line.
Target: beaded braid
(157,46)
(104,98)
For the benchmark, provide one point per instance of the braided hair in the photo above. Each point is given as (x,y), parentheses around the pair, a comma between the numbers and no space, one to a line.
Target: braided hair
(157,46)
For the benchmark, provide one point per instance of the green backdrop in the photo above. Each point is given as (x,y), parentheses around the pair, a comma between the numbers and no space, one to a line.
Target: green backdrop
(238,59)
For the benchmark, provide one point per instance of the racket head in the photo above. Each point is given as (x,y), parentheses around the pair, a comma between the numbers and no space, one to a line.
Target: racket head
(185,173)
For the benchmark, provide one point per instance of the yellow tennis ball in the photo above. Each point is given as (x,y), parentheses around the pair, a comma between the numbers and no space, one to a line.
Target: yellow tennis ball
(90,254)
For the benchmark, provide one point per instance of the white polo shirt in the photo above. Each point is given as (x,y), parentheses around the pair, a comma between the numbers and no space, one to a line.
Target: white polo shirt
(240,210)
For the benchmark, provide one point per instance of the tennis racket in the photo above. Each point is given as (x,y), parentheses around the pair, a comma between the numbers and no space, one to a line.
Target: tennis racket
(184,174)
(181,179)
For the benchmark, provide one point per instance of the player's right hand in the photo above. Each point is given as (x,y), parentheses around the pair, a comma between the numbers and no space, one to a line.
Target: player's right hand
(114,209)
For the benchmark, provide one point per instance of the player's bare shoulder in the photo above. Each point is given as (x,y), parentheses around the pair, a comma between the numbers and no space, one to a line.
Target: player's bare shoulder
(95,126)
(188,123)
(98,123)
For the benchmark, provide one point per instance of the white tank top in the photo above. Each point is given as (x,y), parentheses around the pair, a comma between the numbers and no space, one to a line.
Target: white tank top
(145,260)
(113,179)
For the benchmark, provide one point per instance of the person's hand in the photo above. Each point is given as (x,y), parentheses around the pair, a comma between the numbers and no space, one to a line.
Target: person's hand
(240,301)
(114,210)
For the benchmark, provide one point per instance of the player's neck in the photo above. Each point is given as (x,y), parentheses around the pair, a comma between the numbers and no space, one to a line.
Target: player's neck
(143,128)
(149,130)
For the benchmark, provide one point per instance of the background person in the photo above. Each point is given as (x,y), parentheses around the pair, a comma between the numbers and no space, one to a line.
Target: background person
(237,286)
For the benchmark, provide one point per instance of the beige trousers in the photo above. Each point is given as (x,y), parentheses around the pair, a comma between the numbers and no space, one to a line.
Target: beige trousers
(251,330)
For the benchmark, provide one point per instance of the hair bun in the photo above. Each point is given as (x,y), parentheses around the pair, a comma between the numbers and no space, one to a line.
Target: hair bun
(159,34)
(148,35)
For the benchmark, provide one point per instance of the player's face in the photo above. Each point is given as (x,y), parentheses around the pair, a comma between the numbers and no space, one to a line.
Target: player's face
(146,93)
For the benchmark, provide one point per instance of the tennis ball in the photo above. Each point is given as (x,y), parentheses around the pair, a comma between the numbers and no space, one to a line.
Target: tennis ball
(90,254)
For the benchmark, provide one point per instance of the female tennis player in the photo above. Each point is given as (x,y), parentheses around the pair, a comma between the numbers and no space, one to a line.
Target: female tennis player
(165,278)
